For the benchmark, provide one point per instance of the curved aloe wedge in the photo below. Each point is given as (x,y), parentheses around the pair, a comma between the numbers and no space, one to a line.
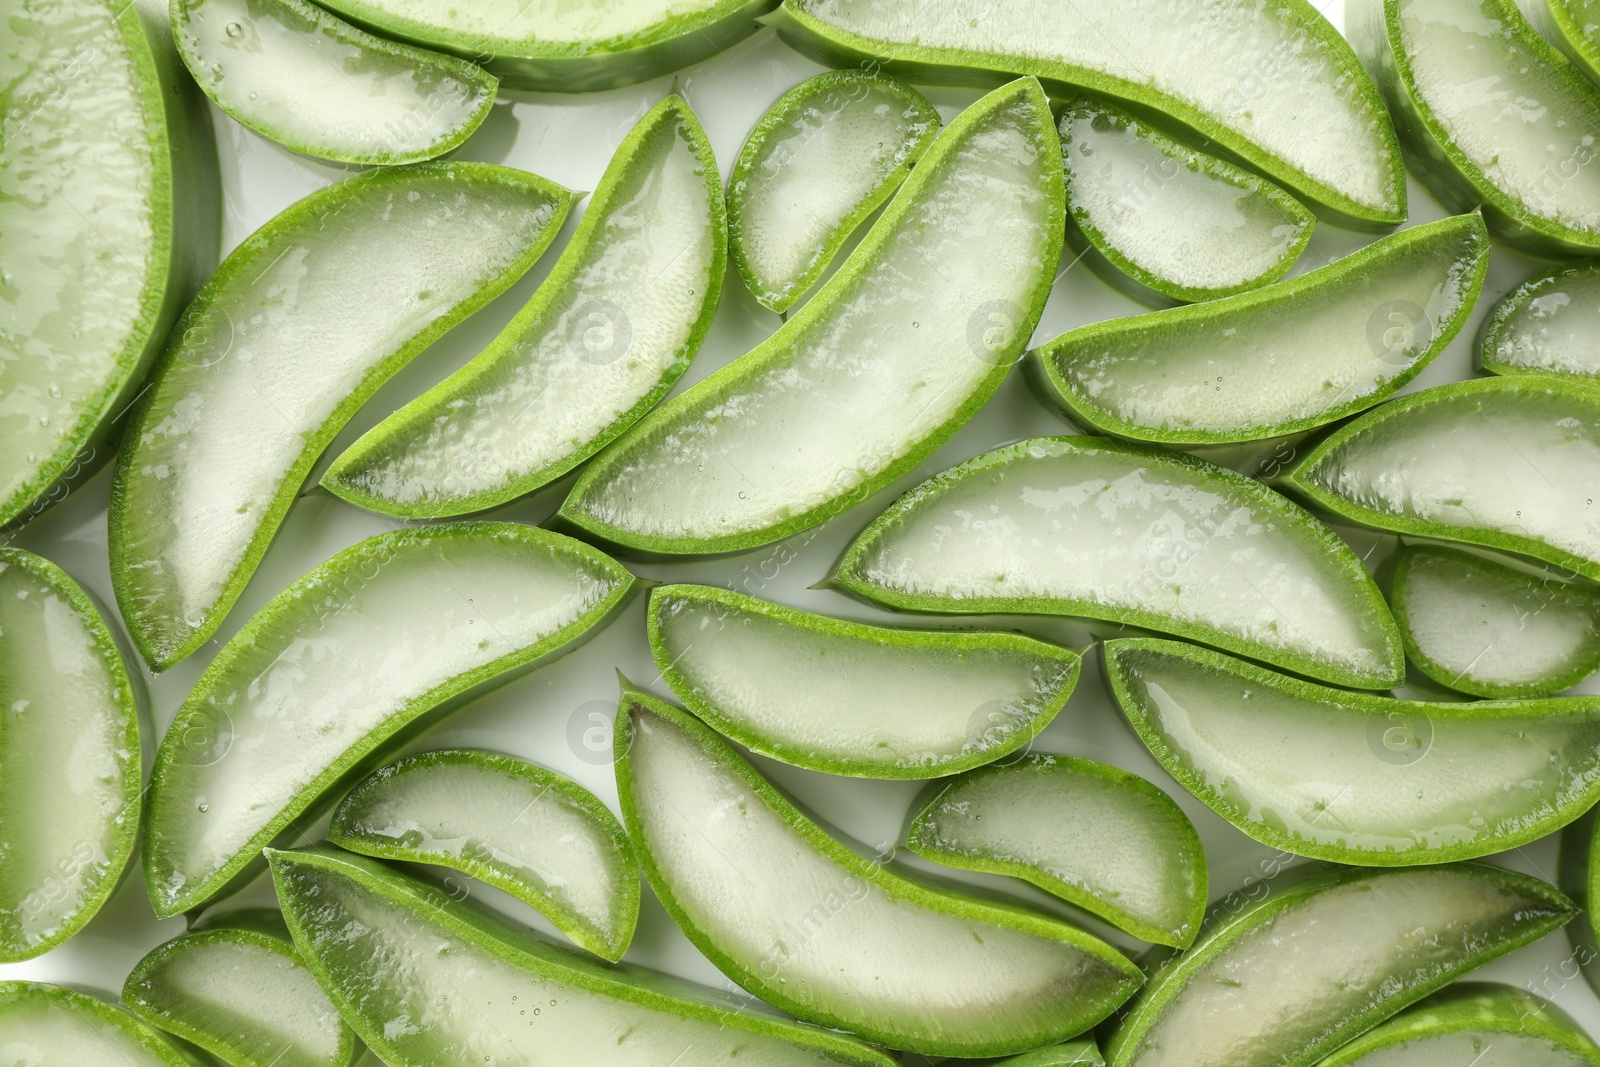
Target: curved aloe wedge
(800,920)
(1103,839)
(1353,777)
(1084,1053)
(903,345)
(847,698)
(109,202)
(1490,115)
(1289,357)
(601,342)
(274,356)
(48,1025)
(1166,223)
(314,83)
(1480,627)
(1547,325)
(822,159)
(540,837)
(239,990)
(1570,25)
(361,652)
(1578,874)
(1509,463)
(1272,83)
(69,758)
(556,46)
(1133,534)
(427,980)
(1473,1024)
(1326,954)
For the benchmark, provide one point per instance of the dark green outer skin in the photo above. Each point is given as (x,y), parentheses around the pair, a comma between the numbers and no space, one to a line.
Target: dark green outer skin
(1578,875)
(152,1041)
(1567,34)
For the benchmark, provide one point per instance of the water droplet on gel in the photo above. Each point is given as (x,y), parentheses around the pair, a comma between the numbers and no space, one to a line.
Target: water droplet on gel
(55,391)
(202,807)
(234,29)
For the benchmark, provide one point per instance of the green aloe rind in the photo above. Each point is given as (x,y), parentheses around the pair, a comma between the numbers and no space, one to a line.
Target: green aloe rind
(223,440)
(1093,527)
(614,325)
(549,46)
(1166,223)
(1287,357)
(1343,157)
(360,653)
(1095,836)
(1352,777)
(1526,168)
(1578,875)
(390,949)
(1334,951)
(901,346)
(242,993)
(70,766)
(845,697)
(1570,25)
(1081,1053)
(293,73)
(523,829)
(820,161)
(50,1024)
(1463,1022)
(834,938)
(1547,325)
(1508,463)
(110,206)
(1479,626)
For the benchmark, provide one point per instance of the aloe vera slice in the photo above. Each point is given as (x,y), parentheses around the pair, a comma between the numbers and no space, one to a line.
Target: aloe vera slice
(1224,69)
(314,83)
(1473,1024)
(69,758)
(1508,463)
(1573,26)
(848,698)
(1171,223)
(1481,627)
(1098,837)
(562,47)
(1288,357)
(1084,1053)
(902,345)
(297,329)
(1324,955)
(1490,116)
(49,1025)
(1133,534)
(1578,874)
(540,837)
(428,980)
(822,159)
(1547,325)
(364,650)
(602,341)
(109,203)
(1353,777)
(804,923)
(239,990)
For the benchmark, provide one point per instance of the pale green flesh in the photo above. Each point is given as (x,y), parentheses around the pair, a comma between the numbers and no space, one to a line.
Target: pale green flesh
(607,334)
(298,327)
(51,1026)
(1549,324)
(1507,462)
(1093,835)
(520,827)
(83,263)
(423,988)
(1353,777)
(1484,628)
(1184,223)
(1473,1024)
(1085,526)
(826,149)
(901,346)
(336,665)
(296,74)
(1474,1049)
(69,759)
(820,937)
(1287,357)
(850,699)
